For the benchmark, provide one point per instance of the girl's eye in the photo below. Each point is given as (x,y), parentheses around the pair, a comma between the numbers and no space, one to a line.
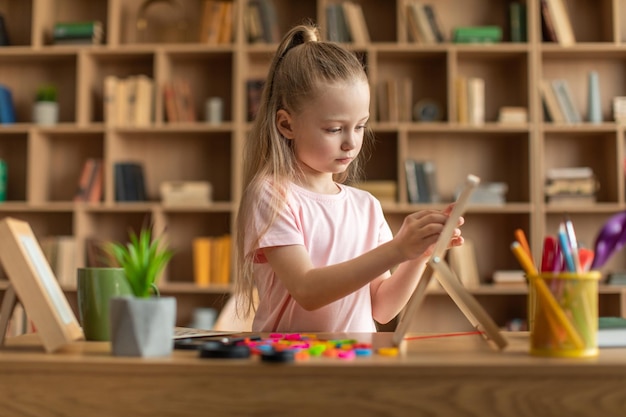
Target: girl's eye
(361,127)
(334,130)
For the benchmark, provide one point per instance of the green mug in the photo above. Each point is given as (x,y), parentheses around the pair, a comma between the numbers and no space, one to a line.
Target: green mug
(94,288)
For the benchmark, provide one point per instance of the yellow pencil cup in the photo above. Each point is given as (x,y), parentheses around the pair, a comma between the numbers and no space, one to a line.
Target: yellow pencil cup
(564,314)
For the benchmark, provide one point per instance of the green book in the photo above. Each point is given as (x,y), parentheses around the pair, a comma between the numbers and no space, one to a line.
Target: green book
(69,30)
(517,21)
(471,34)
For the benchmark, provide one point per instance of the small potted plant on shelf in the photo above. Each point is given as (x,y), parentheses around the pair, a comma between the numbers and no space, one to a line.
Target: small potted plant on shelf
(142,325)
(46,107)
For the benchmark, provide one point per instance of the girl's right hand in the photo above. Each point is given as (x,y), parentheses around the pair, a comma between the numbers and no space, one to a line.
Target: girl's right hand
(420,231)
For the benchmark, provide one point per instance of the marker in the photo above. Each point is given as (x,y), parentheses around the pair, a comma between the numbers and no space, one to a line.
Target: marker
(566,249)
(573,243)
(521,238)
(549,254)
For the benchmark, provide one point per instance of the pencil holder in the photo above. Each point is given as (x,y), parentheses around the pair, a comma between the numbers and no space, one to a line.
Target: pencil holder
(565,314)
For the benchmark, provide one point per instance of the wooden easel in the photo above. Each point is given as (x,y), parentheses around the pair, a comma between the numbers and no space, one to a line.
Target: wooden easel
(474,312)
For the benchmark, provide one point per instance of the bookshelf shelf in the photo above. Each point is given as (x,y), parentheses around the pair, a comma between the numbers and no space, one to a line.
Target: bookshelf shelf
(45,162)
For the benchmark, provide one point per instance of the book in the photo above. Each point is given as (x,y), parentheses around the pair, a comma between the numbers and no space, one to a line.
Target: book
(512,115)
(252,23)
(569,186)
(201,249)
(435,24)
(169,98)
(225,35)
(551,103)
(547,26)
(561,22)
(569,173)
(7,109)
(356,22)
(462,100)
(517,21)
(269,20)
(476,101)
(337,27)
(508,277)
(594,104)
(210,21)
(91,31)
(477,34)
(254,91)
(611,332)
(89,185)
(143,109)
(4,33)
(566,101)
(109,92)
(410,167)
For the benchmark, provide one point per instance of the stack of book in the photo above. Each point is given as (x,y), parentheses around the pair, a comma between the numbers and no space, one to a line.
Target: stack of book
(82,33)
(575,185)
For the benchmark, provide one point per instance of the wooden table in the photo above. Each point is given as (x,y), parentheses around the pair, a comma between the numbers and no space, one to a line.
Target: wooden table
(452,376)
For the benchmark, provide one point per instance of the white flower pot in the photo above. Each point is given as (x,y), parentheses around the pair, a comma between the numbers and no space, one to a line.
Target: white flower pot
(46,113)
(142,326)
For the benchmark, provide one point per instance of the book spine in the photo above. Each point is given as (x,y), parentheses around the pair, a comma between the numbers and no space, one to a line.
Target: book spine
(7,111)
(517,21)
(411,180)
(594,110)
(434,23)
(3,180)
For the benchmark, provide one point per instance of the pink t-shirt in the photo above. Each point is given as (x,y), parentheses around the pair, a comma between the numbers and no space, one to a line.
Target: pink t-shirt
(333,228)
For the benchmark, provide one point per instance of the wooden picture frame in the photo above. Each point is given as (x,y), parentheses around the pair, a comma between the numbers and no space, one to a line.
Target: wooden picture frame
(474,312)
(32,282)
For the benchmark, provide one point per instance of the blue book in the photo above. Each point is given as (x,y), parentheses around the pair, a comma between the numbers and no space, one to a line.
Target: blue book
(7,110)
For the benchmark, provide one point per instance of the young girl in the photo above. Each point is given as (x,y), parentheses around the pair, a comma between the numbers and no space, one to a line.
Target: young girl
(320,252)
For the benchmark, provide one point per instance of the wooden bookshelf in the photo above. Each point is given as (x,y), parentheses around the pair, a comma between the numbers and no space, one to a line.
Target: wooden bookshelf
(44,163)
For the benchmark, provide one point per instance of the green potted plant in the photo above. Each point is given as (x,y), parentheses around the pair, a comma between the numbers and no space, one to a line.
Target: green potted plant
(46,108)
(142,325)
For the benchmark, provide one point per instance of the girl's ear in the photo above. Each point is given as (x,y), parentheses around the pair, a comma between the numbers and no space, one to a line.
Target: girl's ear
(283,124)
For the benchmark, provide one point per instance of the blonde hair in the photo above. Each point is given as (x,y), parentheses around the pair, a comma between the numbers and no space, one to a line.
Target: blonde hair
(302,65)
